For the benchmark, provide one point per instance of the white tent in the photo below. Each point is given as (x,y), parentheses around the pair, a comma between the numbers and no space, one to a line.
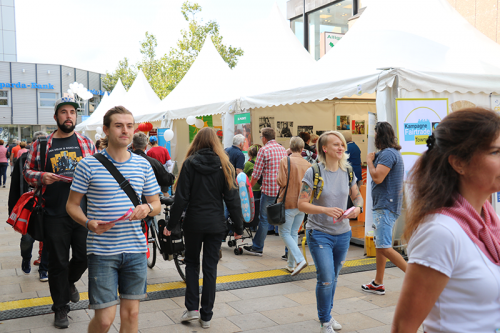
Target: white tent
(140,98)
(95,119)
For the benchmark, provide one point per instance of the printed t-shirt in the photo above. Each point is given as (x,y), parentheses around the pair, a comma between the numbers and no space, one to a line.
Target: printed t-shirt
(470,302)
(159,153)
(335,193)
(62,158)
(106,201)
(389,193)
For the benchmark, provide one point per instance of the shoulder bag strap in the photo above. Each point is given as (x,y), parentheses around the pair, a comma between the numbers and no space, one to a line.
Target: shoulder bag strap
(43,150)
(124,184)
(287,181)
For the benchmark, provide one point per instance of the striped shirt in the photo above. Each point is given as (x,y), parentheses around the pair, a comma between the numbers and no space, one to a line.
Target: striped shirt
(106,201)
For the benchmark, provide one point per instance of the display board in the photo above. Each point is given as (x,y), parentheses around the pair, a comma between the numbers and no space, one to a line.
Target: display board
(416,119)
(161,140)
(243,126)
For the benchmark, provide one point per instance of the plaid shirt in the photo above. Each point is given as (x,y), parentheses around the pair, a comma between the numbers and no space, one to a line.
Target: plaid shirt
(32,166)
(268,165)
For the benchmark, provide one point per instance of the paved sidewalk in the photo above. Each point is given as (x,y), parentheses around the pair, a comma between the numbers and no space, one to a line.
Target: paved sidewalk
(286,307)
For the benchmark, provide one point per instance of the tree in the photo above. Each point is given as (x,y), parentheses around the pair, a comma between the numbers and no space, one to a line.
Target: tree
(165,73)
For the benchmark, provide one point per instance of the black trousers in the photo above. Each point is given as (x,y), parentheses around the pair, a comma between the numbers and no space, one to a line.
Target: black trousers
(61,233)
(211,247)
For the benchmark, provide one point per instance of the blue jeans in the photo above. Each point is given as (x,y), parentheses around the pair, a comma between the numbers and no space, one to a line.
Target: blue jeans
(289,235)
(328,252)
(383,223)
(260,236)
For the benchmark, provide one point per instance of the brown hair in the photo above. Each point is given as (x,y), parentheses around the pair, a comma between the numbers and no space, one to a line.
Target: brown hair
(432,181)
(2,142)
(305,136)
(98,144)
(23,144)
(104,142)
(207,138)
(314,138)
(385,137)
(253,150)
(106,121)
(268,133)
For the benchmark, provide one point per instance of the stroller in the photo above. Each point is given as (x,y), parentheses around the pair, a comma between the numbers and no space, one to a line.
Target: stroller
(247,228)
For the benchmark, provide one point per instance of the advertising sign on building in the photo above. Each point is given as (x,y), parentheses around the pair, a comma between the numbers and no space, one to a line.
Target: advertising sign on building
(416,120)
(328,41)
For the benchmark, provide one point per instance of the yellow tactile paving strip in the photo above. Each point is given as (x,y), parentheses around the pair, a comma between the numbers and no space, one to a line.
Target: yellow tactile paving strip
(27,303)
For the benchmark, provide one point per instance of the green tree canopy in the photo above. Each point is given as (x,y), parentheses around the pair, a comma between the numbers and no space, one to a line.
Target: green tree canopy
(163,74)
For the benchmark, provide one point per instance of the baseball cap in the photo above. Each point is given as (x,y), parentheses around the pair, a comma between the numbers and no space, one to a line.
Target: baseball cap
(153,139)
(66,100)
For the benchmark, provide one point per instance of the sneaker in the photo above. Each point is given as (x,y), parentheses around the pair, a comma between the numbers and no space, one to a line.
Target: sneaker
(290,269)
(335,324)
(61,318)
(326,328)
(284,257)
(373,288)
(37,262)
(26,266)
(205,324)
(189,316)
(270,232)
(43,276)
(74,294)
(250,250)
(299,268)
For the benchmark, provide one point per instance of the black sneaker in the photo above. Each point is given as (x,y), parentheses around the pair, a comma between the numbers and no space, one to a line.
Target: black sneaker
(74,294)
(250,250)
(61,318)
(284,257)
(26,266)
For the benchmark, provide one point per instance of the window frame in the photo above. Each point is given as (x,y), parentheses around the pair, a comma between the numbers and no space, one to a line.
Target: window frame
(6,98)
(45,99)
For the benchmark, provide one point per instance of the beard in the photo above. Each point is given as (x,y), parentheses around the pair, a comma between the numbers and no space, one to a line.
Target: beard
(66,128)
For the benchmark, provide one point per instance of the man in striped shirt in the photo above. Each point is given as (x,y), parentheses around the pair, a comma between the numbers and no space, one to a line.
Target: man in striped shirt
(60,231)
(267,164)
(116,247)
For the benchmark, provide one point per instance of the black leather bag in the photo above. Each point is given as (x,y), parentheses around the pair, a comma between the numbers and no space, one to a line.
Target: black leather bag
(276,211)
(169,245)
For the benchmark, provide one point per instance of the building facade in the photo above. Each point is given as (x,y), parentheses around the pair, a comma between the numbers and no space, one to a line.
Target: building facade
(28,93)
(8,42)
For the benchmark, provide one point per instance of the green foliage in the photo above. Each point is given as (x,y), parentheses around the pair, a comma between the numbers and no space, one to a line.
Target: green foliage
(163,74)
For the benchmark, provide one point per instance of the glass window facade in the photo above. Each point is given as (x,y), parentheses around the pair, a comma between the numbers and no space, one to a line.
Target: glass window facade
(93,103)
(332,18)
(47,99)
(297,25)
(4,98)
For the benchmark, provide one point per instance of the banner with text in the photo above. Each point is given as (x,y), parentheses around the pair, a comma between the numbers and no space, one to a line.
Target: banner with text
(416,120)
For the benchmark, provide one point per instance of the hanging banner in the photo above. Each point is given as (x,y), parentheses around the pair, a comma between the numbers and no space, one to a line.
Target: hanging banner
(416,120)
(243,125)
(207,122)
(161,139)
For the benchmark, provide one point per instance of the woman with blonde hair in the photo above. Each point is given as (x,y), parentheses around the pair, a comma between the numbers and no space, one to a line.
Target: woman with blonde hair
(206,179)
(328,231)
(452,282)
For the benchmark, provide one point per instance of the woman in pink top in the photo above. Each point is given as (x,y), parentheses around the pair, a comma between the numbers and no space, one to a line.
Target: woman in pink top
(22,150)
(4,163)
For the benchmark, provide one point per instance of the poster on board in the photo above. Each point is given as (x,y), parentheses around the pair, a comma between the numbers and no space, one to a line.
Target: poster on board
(161,139)
(266,122)
(243,126)
(308,129)
(358,127)
(416,119)
(284,129)
(343,123)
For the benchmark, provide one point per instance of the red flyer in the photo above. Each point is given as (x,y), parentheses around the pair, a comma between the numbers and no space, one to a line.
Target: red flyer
(125,217)
(347,212)
(64,178)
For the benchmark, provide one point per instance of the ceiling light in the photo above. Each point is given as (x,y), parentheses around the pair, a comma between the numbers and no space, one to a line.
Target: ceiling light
(324,16)
(348,7)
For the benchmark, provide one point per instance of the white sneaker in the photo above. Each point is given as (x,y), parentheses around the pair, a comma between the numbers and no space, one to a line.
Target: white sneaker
(189,316)
(335,324)
(326,328)
(205,324)
(300,267)
(290,269)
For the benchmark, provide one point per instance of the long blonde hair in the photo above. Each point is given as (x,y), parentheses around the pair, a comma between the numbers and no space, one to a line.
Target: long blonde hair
(323,141)
(207,138)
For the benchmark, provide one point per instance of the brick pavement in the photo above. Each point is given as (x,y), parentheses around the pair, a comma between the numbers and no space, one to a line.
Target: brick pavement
(286,307)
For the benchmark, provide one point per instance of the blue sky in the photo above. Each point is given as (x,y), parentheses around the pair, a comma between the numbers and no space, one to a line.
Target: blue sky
(94,35)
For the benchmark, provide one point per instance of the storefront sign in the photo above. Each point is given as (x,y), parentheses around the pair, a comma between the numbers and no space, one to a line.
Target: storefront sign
(33,85)
(416,120)
(242,118)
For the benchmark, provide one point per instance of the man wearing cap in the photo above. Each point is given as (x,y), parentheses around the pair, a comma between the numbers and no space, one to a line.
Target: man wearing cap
(60,231)
(158,152)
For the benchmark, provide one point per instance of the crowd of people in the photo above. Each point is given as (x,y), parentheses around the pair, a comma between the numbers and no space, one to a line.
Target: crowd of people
(453,233)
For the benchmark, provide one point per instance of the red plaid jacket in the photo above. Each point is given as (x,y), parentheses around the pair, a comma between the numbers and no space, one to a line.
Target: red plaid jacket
(32,167)
(267,164)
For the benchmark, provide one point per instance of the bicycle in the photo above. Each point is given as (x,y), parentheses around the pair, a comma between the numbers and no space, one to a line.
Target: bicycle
(154,244)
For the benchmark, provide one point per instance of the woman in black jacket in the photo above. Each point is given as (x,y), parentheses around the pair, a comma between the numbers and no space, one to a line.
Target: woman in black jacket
(206,178)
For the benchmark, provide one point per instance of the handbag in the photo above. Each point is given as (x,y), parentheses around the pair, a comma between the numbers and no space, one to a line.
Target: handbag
(276,211)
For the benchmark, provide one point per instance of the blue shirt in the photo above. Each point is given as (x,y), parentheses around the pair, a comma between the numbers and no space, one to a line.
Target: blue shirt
(236,157)
(106,201)
(354,158)
(389,194)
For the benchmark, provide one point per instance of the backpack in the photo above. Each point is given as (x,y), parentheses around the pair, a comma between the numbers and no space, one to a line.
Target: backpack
(318,181)
(309,156)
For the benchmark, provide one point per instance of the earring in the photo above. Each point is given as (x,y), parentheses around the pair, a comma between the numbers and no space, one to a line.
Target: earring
(324,150)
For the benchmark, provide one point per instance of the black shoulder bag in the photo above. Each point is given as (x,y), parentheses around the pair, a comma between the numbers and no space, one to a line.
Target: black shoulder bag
(276,211)
(35,224)
(124,183)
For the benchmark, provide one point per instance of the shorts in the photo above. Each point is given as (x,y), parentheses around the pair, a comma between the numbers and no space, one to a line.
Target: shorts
(383,224)
(126,272)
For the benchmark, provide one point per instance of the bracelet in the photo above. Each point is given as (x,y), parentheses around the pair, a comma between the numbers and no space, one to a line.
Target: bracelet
(87,224)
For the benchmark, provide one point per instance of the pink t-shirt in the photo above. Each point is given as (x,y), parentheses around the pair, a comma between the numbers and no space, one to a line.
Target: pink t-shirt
(20,152)
(3,154)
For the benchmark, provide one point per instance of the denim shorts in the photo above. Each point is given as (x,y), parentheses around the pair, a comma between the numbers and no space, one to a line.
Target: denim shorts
(383,223)
(125,272)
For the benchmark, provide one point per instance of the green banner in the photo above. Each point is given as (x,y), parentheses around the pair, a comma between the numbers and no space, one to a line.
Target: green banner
(207,120)
(242,118)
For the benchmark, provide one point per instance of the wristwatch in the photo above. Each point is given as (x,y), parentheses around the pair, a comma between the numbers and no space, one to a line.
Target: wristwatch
(150,208)
(360,209)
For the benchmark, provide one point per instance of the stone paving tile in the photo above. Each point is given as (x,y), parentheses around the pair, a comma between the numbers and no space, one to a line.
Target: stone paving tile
(379,329)
(157,305)
(293,314)
(304,326)
(251,321)
(263,304)
(44,323)
(303,298)
(10,289)
(220,310)
(343,292)
(384,315)
(17,297)
(149,319)
(350,305)
(270,290)
(352,322)
(219,325)
(389,299)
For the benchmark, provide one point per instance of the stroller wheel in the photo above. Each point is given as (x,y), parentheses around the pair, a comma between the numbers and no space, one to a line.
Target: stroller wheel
(230,243)
(236,251)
